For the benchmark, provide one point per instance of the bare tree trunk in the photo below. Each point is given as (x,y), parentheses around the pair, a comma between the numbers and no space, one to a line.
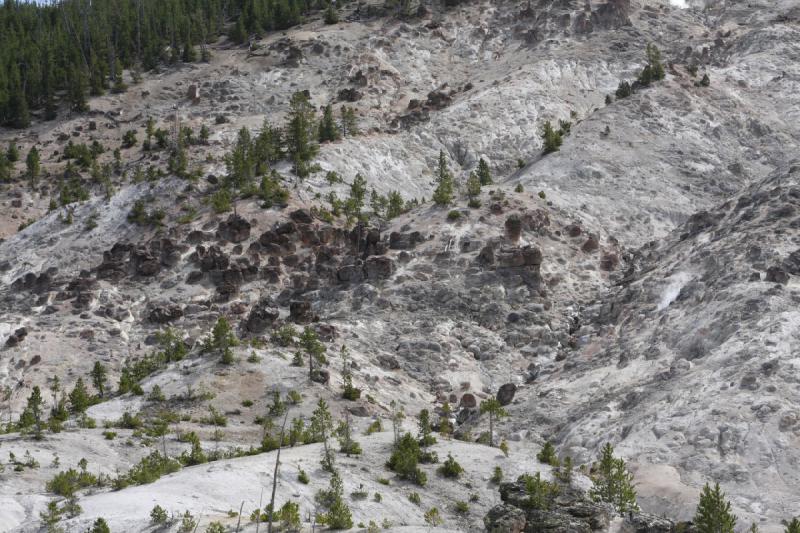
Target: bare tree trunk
(258,514)
(275,474)
(491,430)
(239,521)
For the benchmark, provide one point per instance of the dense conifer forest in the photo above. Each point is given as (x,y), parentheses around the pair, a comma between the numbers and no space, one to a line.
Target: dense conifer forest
(52,56)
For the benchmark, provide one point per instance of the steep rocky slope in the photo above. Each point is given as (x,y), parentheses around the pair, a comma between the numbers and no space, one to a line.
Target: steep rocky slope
(647,298)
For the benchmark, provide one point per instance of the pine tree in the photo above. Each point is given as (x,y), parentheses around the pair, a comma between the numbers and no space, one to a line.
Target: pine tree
(624,90)
(79,397)
(339,515)
(425,436)
(119,80)
(240,162)
(12,154)
(547,454)
(551,138)
(358,191)
(405,459)
(349,392)
(77,90)
(328,130)
(315,350)
(5,168)
(300,145)
(612,483)
(189,55)
(238,33)
(99,376)
(484,174)
(443,194)
(331,14)
(654,62)
(394,205)
(344,433)
(377,202)
(319,429)
(33,166)
(445,426)
(713,514)
(100,526)
(473,189)
(349,122)
(397,419)
(495,410)
(18,104)
(32,416)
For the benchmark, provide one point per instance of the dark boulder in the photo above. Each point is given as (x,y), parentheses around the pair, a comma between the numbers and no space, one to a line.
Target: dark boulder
(404,241)
(573,230)
(349,95)
(506,392)
(609,261)
(513,227)
(300,312)
(320,376)
(261,316)
(468,401)
(234,229)
(17,337)
(303,216)
(777,275)
(379,267)
(505,519)
(164,313)
(590,245)
(144,263)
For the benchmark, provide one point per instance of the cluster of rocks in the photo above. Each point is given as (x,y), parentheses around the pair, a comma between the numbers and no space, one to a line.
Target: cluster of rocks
(126,259)
(571,511)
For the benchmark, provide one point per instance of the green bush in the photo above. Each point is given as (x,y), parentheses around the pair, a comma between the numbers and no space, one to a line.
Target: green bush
(221,201)
(453,215)
(613,483)
(450,468)
(129,139)
(540,492)
(374,427)
(100,526)
(188,523)
(624,90)
(285,335)
(404,460)
(148,470)
(497,475)
(547,455)
(67,482)
(158,515)
(215,527)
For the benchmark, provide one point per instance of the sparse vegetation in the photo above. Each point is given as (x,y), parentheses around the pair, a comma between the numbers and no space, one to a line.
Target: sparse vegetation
(540,492)
(612,482)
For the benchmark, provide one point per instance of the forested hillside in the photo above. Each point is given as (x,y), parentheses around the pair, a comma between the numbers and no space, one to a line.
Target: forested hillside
(61,53)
